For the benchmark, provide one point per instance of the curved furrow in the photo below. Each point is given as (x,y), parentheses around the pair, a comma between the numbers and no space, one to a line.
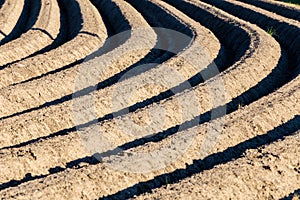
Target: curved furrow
(217,118)
(60,124)
(276,164)
(67,25)
(262,122)
(85,34)
(102,179)
(50,87)
(286,31)
(62,111)
(25,21)
(30,69)
(257,123)
(203,38)
(84,40)
(10,12)
(111,127)
(61,114)
(284,9)
(237,79)
(44,31)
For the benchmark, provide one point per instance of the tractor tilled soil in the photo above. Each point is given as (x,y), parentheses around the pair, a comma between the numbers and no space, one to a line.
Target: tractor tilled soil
(99,99)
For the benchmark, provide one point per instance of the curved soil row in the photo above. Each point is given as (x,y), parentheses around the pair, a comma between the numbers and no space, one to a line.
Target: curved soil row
(60,117)
(269,172)
(262,122)
(72,76)
(264,116)
(237,79)
(44,156)
(51,120)
(204,38)
(40,35)
(25,21)
(284,9)
(72,138)
(98,180)
(89,38)
(50,87)
(10,12)
(286,31)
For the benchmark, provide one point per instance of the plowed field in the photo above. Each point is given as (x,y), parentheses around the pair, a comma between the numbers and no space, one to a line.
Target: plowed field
(149,99)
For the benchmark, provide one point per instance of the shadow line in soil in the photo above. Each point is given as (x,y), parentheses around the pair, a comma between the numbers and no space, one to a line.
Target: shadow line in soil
(263,88)
(26,20)
(281,10)
(156,55)
(1,32)
(198,166)
(1,3)
(292,195)
(231,153)
(223,60)
(64,33)
(288,35)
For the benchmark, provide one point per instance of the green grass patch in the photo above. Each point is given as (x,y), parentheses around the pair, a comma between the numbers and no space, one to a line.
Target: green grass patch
(271,31)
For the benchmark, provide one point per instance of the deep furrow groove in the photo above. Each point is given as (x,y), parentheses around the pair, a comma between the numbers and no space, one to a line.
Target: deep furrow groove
(61,112)
(256,144)
(287,32)
(120,50)
(41,34)
(237,163)
(291,12)
(199,31)
(61,125)
(65,140)
(20,19)
(8,22)
(70,52)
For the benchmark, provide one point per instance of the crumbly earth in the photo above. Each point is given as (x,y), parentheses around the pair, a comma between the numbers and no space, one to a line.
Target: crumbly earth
(218,118)
(271,172)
